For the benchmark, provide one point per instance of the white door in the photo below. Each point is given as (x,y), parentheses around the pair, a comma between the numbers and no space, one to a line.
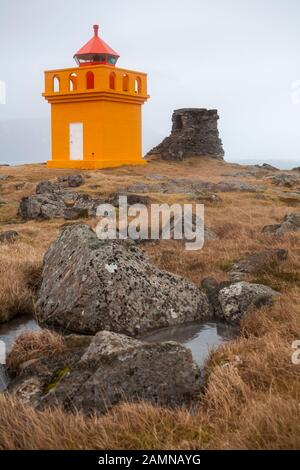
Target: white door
(76,141)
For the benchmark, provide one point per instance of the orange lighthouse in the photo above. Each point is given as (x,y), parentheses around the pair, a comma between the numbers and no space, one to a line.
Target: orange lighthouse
(96,117)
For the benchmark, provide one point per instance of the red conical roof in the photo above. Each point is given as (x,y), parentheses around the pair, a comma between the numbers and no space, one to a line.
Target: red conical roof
(96,46)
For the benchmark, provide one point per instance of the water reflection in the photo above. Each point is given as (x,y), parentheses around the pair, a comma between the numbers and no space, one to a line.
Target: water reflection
(200,338)
(10,330)
(8,333)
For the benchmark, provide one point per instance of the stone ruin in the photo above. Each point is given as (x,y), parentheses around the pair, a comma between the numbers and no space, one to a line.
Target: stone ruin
(194,133)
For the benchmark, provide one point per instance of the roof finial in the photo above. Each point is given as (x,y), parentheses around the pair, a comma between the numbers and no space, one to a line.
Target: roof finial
(96,29)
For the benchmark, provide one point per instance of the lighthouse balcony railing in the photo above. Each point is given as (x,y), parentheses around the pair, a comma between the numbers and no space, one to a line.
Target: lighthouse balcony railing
(95,79)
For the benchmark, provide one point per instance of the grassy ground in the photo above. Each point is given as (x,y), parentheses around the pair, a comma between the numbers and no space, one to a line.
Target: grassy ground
(253,389)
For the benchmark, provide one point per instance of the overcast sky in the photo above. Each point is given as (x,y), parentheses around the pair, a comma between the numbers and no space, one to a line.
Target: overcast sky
(239,56)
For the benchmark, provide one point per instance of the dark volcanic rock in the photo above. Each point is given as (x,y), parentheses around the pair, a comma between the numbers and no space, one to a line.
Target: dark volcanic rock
(8,236)
(114,368)
(256,262)
(46,187)
(53,201)
(290,223)
(194,133)
(131,199)
(72,181)
(284,179)
(267,167)
(232,186)
(212,289)
(90,285)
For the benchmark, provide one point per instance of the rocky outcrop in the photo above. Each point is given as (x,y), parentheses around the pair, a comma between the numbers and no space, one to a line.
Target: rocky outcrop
(239,298)
(290,223)
(113,368)
(90,285)
(8,236)
(53,201)
(256,262)
(292,198)
(131,199)
(284,179)
(193,187)
(267,167)
(232,186)
(194,133)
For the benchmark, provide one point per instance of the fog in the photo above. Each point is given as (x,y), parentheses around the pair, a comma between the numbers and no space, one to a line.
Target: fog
(240,57)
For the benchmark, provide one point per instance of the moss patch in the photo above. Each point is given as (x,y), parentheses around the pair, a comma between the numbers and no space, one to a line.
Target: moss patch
(56,379)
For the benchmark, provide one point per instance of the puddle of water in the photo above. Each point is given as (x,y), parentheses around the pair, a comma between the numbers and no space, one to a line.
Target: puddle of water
(200,338)
(10,330)
(8,333)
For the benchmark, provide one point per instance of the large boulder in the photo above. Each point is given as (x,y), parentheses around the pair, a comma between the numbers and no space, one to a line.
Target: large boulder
(290,223)
(90,285)
(237,299)
(53,201)
(113,368)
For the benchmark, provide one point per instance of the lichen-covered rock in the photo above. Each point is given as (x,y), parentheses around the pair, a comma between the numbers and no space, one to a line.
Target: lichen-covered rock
(239,298)
(53,201)
(256,262)
(71,181)
(284,179)
(113,368)
(290,223)
(194,133)
(90,285)
(232,186)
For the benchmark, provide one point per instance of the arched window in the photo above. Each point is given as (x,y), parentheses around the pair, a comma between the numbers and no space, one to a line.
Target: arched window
(90,80)
(138,85)
(112,81)
(56,84)
(73,82)
(125,82)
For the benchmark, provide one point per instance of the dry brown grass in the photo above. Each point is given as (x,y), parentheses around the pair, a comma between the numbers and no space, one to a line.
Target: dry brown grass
(253,390)
(31,345)
(19,264)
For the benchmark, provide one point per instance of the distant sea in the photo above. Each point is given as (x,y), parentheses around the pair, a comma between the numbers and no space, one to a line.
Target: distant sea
(284,164)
